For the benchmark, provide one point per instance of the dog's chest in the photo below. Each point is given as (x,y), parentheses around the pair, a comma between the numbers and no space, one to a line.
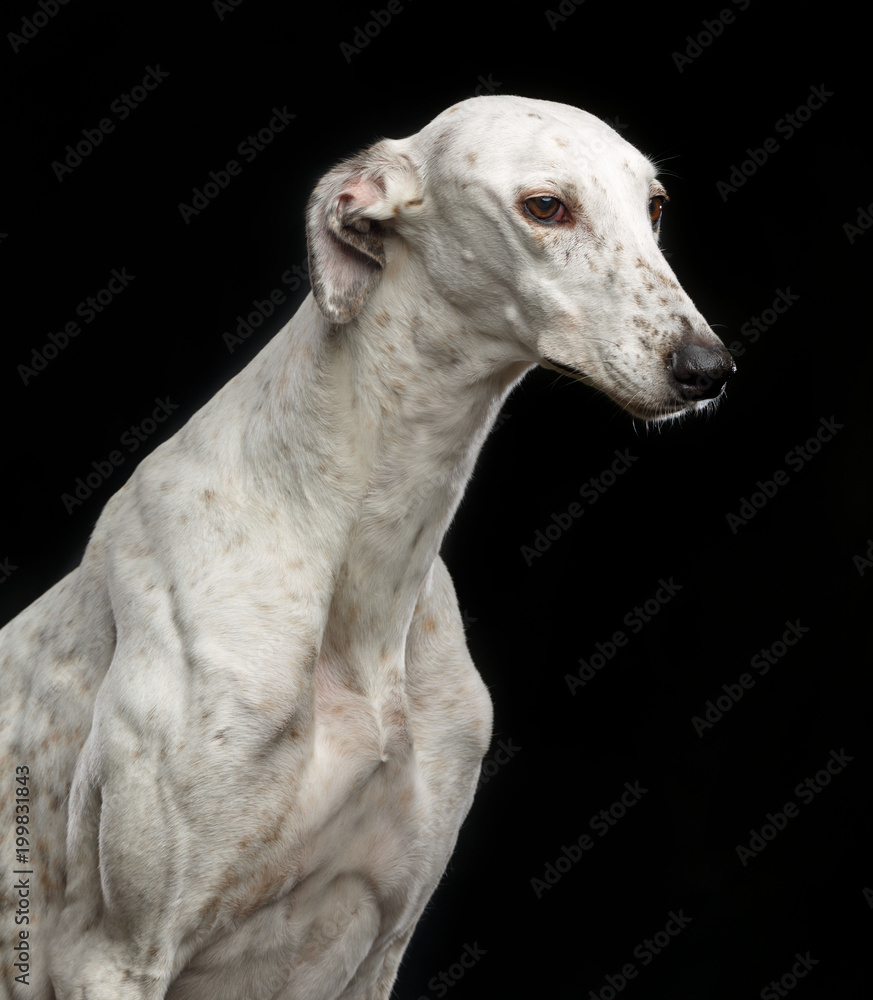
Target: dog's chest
(389,782)
(366,799)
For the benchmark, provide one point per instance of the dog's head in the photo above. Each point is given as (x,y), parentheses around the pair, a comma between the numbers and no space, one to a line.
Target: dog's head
(537,225)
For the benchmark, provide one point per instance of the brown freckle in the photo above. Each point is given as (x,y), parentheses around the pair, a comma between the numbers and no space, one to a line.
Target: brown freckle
(429,625)
(273,834)
(210,909)
(560,141)
(208,495)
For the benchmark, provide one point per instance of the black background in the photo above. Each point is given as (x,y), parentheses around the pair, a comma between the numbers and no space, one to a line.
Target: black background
(665,517)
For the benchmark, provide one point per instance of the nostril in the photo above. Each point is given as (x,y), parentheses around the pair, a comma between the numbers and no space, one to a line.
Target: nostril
(701,371)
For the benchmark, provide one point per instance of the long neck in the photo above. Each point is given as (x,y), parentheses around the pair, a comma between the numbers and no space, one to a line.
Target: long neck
(376,426)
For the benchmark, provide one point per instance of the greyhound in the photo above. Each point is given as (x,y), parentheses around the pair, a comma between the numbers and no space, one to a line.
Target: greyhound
(244,733)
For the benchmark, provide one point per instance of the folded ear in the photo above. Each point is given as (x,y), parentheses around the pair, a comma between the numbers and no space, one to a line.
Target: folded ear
(348,217)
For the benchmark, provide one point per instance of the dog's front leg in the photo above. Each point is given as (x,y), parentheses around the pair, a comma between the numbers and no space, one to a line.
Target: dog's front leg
(182,804)
(131,894)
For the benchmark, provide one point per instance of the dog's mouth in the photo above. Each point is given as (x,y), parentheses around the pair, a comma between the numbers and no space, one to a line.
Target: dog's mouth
(651,413)
(568,370)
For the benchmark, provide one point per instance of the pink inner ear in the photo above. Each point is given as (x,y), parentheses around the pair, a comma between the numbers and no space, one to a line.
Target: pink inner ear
(359,194)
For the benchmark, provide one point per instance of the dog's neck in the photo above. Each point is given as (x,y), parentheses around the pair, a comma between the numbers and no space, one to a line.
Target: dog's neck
(403,405)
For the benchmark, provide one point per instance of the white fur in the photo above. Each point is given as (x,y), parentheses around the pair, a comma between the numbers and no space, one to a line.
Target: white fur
(250,717)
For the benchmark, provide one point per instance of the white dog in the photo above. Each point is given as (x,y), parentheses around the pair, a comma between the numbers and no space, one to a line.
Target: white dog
(245,731)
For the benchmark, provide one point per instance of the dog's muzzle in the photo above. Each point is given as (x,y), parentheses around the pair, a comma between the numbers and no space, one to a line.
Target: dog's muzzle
(701,372)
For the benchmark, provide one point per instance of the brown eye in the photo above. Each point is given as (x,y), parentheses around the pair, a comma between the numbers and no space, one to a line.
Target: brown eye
(545,208)
(656,207)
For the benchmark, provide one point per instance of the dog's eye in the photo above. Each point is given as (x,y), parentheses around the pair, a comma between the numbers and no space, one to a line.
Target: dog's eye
(545,208)
(656,207)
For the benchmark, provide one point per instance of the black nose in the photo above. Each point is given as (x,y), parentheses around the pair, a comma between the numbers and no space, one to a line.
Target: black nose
(701,371)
